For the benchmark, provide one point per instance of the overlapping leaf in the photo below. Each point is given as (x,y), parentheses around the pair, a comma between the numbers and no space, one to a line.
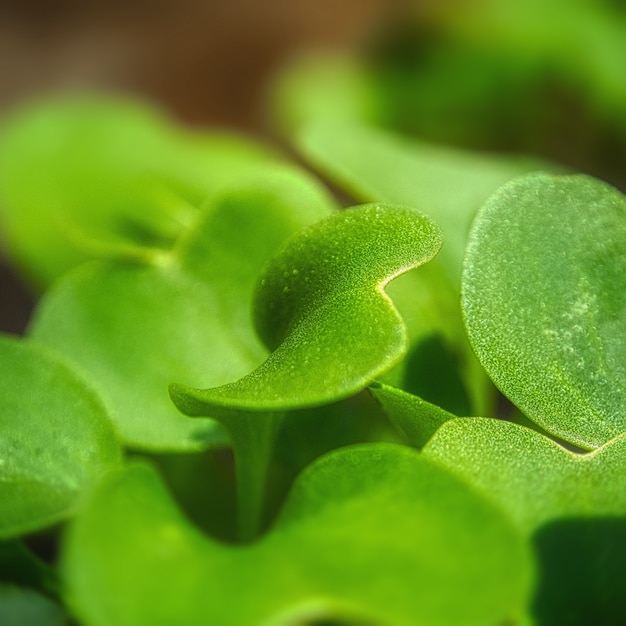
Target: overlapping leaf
(56,439)
(544,297)
(447,184)
(370,534)
(573,505)
(416,419)
(135,327)
(533,478)
(83,177)
(322,308)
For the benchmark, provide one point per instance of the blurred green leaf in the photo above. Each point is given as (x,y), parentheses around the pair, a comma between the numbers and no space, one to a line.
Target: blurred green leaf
(24,607)
(55,439)
(321,307)
(370,534)
(135,327)
(544,297)
(85,176)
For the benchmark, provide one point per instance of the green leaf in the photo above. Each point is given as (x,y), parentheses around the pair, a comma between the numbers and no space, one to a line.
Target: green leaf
(321,307)
(544,297)
(24,607)
(416,419)
(370,534)
(135,327)
(55,439)
(533,478)
(447,184)
(85,176)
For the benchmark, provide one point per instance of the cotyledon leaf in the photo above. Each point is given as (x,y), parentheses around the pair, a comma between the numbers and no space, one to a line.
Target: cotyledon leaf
(573,505)
(544,299)
(447,184)
(371,534)
(92,176)
(56,439)
(321,307)
(535,479)
(134,327)
(416,419)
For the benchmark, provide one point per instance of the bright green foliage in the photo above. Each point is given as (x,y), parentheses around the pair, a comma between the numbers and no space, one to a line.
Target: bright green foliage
(55,439)
(136,326)
(371,534)
(447,184)
(321,307)
(544,297)
(531,476)
(416,419)
(99,177)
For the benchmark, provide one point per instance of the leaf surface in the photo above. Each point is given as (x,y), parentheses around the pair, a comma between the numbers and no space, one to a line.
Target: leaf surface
(83,177)
(533,478)
(370,534)
(134,327)
(56,439)
(321,307)
(544,298)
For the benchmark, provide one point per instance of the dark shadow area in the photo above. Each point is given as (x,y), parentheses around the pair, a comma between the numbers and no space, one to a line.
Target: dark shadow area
(432,373)
(582,573)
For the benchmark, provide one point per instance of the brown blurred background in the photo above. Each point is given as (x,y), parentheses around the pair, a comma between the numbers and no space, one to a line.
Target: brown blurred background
(205,61)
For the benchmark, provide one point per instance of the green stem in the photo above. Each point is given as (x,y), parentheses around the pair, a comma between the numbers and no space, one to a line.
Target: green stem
(252,435)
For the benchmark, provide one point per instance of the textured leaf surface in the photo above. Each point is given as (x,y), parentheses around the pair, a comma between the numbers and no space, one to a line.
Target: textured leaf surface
(544,297)
(84,177)
(55,439)
(321,307)
(532,477)
(447,184)
(135,327)
(370,534)
(416,419)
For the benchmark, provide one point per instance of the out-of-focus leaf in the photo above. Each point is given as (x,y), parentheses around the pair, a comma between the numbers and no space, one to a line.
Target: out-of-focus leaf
(85,177)
(24,607)
(135,327)
(321,307)
(370,534)
(544,297)
(56,439)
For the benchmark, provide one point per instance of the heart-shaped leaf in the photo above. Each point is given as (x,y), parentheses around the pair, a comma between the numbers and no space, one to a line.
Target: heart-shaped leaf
(55,439)
(370,534)
(544,297)
(135,327)
(321,307)
(83,177)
